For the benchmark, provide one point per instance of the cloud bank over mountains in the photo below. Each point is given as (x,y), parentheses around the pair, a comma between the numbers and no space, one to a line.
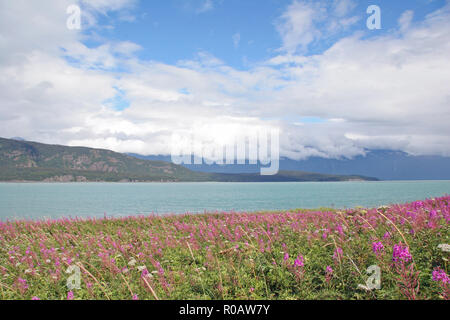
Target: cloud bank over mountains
(390,91)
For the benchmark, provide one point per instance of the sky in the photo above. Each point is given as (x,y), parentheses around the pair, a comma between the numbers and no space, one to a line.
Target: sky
(138,72)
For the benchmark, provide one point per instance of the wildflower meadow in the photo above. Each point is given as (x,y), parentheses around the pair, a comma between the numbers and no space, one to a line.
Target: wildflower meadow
(297,254)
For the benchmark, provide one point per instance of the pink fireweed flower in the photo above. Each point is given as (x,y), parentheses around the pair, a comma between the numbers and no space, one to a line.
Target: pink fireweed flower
(418,204)
(286,257)
(35,298)
(377,247)
(23,283)
(328,273)
(340,230)
(70,295)
(433,214)
(135,297)
(160,268)
(299,262)
(329,270)
(337,255)
(439,275)
(387,235)
(144,273)
(401,253)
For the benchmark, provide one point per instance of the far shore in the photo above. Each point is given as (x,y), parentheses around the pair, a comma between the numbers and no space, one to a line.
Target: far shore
(168,182)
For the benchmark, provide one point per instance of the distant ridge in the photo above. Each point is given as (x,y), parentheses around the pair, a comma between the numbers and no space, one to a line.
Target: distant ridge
(382,164)
(33,161)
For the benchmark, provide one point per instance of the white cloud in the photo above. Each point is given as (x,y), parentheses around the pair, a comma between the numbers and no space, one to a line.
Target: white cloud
(297,25)
(207,5)
(343,7)
(305,22)
(405,20)
(386,92)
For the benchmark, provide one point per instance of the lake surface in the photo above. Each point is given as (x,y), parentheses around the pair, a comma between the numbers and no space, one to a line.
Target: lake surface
(43,200)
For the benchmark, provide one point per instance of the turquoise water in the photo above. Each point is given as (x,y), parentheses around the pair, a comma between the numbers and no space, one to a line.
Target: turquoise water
(41,200)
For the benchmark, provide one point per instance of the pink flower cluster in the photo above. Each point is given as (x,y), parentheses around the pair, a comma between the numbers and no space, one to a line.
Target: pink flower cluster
(377,247)
(401,253)
(299,262)
(439,275)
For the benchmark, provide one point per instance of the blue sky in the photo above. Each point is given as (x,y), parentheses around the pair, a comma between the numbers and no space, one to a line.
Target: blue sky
(138,72)
(174,30)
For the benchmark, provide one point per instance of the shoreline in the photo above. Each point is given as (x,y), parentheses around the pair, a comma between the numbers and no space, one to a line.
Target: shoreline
(179,182)
(141,182)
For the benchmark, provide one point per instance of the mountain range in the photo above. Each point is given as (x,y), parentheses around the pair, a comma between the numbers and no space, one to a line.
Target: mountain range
(32,161)
(381,164)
